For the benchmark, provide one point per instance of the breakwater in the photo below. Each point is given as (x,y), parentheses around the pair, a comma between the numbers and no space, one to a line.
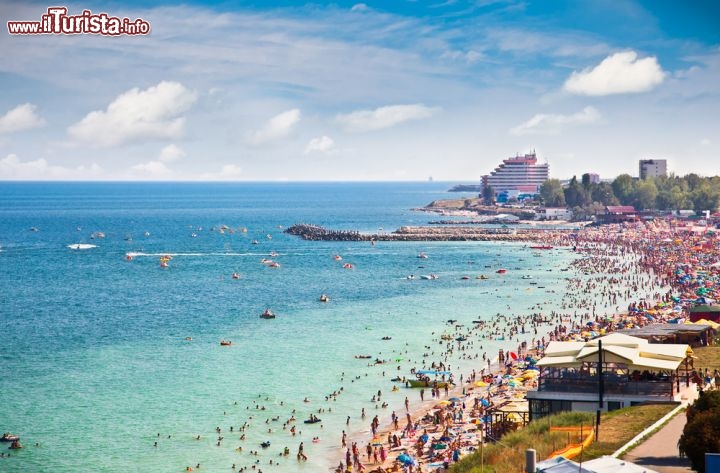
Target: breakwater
(444,233)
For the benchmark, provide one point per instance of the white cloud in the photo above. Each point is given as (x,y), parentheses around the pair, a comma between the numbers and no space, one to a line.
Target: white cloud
(552,124)
(619,73)
(705,142)
(360,7)
(321,144)
(469,57)
(383,117)
(277,127)
(11,167)
(171,153)
(227,172)
(22,117)
(152,168)
(137,115)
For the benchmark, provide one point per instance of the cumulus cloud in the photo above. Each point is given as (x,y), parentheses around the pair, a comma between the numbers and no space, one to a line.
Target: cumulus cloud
(360,7)
(152,168)
(383,117)
(12,167)
(22,117)
(322,144)
(171,153)
(552,124)
(277,127)
(137,115)
(619,73)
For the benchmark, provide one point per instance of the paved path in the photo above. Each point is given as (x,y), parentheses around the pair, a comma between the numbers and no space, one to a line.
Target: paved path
(660,452)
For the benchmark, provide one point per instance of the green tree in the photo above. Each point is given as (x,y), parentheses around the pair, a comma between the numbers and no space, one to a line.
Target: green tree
(552,194)
(644,194)
(701,434)
(705,197)
(623,187)
(488,195)
(575,194)
(604,194)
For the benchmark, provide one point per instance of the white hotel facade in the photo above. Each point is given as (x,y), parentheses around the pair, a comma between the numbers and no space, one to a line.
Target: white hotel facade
(518,175)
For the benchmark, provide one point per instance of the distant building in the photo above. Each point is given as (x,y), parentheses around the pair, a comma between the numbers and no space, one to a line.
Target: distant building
(594,178)
(554,213)
(653,168)
(521,174)
(618,214)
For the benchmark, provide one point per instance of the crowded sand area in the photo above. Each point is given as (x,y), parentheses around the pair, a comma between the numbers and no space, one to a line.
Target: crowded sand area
(626,276)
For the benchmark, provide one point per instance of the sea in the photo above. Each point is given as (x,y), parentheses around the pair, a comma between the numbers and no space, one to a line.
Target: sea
(110,362)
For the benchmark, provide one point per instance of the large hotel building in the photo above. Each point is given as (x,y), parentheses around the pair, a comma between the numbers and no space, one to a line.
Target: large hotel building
(518,175)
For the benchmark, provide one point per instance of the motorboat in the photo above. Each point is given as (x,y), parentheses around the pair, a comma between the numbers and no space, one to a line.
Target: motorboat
(324,298)
(267,314)
(236,275)
(225,343)
(422,255)
(501,271)
(8,437)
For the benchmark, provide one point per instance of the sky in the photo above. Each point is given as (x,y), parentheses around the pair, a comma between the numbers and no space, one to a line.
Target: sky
(399,90)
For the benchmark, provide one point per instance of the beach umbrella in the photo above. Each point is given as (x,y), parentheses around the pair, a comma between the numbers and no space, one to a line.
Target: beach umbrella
(481,384)
(455,399)
(444,403)
(513,355)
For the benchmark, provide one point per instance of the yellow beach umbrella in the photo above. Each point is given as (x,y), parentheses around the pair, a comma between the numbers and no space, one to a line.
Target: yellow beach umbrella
(481,384)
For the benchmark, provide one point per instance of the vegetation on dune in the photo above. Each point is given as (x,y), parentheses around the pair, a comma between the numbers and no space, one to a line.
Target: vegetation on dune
(616,429)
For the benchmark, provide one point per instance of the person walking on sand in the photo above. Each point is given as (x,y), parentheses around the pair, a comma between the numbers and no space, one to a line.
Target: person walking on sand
(407,404)
(422,394)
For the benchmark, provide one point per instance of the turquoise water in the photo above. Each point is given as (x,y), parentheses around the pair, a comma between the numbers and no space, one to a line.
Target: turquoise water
(94,361)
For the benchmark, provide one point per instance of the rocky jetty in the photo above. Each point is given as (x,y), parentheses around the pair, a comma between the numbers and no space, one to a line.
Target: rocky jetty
(408,233)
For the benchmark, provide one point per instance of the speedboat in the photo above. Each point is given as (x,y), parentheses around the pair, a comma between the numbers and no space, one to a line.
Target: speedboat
(501,271)
(422,255)
(225,343)
(324,298)
(8,437)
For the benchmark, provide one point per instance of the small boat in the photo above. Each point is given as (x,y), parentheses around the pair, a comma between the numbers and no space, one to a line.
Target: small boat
(430,276)
(482,276)
(312,420)
(225,343)
(337,258)
(541,247)
(501,271)
(410,276)
(273,254)
(236,275)
(255,242)
(267,314)
(8,437)
(81,246)
(422,255)
(386,338)
(348,266)
(324,298)
(465,277)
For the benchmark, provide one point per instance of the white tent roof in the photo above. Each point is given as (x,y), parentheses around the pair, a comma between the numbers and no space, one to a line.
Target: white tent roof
(608,464)
(635,352)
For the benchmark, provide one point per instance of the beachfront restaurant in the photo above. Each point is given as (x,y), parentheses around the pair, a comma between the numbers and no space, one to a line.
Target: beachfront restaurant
(609,373)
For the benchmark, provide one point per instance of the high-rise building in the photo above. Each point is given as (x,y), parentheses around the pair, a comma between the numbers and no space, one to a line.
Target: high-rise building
(521,174)
(653,168)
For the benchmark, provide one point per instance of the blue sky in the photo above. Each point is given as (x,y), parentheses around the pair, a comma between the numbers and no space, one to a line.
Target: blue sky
(395,90)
